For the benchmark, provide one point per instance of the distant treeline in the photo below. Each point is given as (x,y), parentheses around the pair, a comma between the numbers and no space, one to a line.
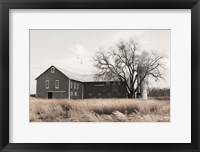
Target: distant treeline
(159,93)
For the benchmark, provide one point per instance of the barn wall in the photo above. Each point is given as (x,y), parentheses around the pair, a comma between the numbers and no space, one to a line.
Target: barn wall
(42,92)
(76,92)
(104,90)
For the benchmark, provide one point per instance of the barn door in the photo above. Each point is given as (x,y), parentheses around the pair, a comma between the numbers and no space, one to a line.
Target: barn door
(49,95)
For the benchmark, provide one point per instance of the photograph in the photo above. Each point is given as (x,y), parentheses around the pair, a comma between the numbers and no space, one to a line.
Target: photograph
(99,75)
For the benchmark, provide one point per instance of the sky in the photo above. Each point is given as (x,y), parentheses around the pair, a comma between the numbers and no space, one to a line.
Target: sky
(74,50)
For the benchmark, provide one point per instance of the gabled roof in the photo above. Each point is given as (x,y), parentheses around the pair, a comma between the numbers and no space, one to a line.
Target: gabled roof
(76,77)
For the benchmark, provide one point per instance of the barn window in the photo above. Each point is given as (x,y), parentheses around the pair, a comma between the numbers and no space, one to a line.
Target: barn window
(47,84)
(52,70)
(75,93)
(74,85)
(57,84)
(77,85)
(71,93)
(71,84)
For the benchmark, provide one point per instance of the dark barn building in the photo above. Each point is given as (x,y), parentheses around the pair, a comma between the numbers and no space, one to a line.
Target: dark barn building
(108,89)
(59,83)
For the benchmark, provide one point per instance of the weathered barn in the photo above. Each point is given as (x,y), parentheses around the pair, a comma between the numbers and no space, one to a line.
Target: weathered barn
(59,83)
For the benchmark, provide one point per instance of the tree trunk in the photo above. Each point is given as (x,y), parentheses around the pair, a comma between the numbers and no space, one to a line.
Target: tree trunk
(131,95)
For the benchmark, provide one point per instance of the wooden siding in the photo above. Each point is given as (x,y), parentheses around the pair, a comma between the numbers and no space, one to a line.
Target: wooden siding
(104,90)
(76,89)
(61,92)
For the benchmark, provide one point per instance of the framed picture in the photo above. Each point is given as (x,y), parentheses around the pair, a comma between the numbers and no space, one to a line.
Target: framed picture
(99,75)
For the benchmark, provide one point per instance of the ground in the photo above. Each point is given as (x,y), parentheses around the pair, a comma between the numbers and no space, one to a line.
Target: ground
(99,110)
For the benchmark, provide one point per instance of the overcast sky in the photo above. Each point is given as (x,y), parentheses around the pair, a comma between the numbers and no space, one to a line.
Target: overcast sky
(74,50)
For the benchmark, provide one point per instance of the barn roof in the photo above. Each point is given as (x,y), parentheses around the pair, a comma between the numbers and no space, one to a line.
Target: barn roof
(78,77)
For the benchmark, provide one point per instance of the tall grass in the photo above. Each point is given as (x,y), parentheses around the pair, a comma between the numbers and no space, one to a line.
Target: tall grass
(99,110)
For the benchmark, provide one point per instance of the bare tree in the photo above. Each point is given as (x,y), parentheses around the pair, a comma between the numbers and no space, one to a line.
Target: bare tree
(126,64)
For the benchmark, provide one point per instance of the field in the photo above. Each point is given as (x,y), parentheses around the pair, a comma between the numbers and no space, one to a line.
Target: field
(99,110)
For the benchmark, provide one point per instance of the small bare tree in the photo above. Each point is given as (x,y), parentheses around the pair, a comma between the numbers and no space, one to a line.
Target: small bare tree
(126,64)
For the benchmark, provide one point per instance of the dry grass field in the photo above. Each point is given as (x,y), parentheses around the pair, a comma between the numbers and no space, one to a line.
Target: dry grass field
(99,110)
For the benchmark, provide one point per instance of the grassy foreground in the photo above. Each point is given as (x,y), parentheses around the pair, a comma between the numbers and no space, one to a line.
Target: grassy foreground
(99,110)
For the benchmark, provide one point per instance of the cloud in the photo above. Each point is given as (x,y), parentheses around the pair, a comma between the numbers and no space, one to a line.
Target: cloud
(124,35)
(79,50)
